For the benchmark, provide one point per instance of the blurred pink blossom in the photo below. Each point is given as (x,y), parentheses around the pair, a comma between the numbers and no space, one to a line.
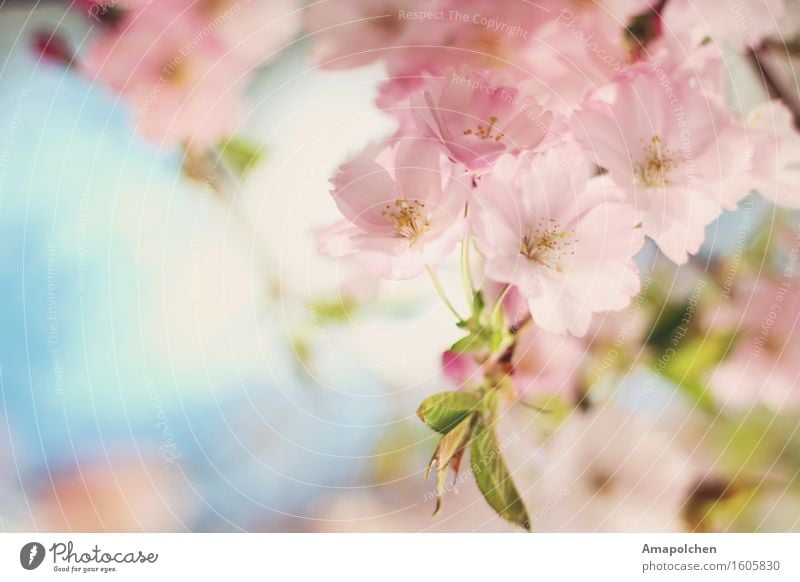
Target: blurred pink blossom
(544,364)
(127,494)
(461,368)
(609,471)
(764,366)
(776,153)
(741,24)
(254,31)
(183,65)
(353,33)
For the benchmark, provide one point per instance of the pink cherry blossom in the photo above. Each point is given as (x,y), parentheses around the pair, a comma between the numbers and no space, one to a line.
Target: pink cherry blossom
(254,31)
(353,33)
(174,89)
(688,64)
(565,241)
(572,60)
(674,151)
(742,24)
(776,153)
(581,46)
(482,34)
(403,209)
(491,35)
(183,65)
(422,36)
(478,117)
(460,368)
(620,11)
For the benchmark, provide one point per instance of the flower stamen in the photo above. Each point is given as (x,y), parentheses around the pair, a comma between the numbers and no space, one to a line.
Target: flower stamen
(658,163)
(409,218)
(547,244)
(486,132)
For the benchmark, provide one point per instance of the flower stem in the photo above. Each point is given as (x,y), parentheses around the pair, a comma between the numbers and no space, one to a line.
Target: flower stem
(440,290)
(498,304)
(495,356)
(466,274)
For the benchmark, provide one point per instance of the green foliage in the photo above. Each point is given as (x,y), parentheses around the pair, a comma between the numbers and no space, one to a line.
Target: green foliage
(469,344)
(668,320)
(486,330)
(443,411)
(493,478)
(693,362)
(333,311)
(458,416)
(241,155)
(478,303)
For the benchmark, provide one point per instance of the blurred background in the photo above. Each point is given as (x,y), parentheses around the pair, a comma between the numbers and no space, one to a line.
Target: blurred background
(175,359)
(161,366)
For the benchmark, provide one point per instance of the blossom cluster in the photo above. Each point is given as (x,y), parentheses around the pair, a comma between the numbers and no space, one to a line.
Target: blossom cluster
(183,65)
(557,150)
(550,141)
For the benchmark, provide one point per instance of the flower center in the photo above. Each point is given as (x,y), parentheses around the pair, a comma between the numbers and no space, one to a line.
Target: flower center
(215,7)
(408,218)
(657,164)
(490,46)
(547,244)
(486,132)
(600,482)
(176,73)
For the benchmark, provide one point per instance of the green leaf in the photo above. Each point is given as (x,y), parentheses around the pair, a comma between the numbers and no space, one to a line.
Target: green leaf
(241,155)
(335,311)
(471,343)
(493,478)
(486,330)
(443,411)
(478,304)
